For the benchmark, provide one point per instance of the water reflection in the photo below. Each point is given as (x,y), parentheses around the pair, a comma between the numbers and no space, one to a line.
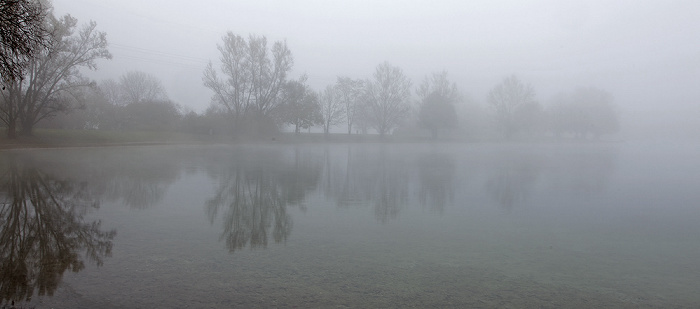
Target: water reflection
(389,179)
(140,178)
(371,176)
(514,176)
(254,186)
(584,173)
(43,231)
(436,180)
(253,192)
(514,179)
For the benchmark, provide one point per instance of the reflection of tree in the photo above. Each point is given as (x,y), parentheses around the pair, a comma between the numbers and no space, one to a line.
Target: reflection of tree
(514,179)
(253,194)
(42,231)
(584,172)
(390,190)
(143,182)
(436,180)
(137,177)
(346,190)
(580,172)
(381,179)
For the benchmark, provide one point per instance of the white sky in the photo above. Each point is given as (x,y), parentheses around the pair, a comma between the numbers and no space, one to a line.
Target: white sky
(646,53)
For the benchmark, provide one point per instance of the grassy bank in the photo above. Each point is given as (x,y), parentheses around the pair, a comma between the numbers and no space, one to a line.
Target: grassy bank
(52,138)
(46,138)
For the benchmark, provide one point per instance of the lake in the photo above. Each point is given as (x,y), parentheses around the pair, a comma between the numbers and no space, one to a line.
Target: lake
(604,225)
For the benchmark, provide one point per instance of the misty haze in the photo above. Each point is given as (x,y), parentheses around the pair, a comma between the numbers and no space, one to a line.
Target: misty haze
(359,154)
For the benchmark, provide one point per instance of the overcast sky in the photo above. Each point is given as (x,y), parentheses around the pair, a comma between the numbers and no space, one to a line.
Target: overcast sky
(646,53)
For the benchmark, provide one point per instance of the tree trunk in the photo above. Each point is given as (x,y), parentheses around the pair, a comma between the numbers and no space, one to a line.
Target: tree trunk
(27,128)
(12,129)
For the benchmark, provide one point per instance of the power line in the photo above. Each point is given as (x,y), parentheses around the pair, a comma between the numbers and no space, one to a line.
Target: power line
(159,53)
(128,52)
(159,61)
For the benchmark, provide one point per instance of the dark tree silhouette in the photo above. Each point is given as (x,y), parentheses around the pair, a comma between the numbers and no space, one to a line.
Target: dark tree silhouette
(43,232)
(54,82)
(22,35)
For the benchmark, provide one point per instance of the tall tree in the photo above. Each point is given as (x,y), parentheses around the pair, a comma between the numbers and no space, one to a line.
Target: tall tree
(332,108)
(253,78)
(507,99)
(440,84)
(53,80)
(437,113)
(387,98)
(350,95)
(437,103)
(23,34)
(139,87)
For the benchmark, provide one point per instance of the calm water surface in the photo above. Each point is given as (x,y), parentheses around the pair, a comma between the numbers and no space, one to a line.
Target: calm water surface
(478,225)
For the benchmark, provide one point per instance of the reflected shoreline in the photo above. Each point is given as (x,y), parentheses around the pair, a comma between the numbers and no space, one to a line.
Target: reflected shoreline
(254,187)
(43,232)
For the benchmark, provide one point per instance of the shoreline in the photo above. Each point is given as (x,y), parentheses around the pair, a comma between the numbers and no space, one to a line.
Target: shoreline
(56,139)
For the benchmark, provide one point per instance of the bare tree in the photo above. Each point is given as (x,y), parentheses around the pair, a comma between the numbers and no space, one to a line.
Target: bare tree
(506,99)
(22,35)
(332,108)
(438,83)
(253,77)
(139,87)
(53,82)
(387,98)
(111,91)
(582,112)
(350,95)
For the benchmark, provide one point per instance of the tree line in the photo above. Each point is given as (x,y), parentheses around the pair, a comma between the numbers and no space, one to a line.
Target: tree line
(253,94)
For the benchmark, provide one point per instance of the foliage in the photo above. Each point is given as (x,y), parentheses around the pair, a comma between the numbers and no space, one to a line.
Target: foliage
(136,102)
(300,107)
(437,113)
(437,106)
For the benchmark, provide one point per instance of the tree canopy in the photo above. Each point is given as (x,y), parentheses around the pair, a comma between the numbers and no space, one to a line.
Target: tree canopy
(23,34)
(510,99)
(387,98)
(53,82)
(253,77)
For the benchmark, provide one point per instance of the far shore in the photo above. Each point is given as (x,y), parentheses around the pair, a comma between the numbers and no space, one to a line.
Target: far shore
(93,138)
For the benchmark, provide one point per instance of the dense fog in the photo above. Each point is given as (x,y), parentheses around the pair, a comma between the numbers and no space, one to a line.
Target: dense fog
(640,56)
(357,154)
